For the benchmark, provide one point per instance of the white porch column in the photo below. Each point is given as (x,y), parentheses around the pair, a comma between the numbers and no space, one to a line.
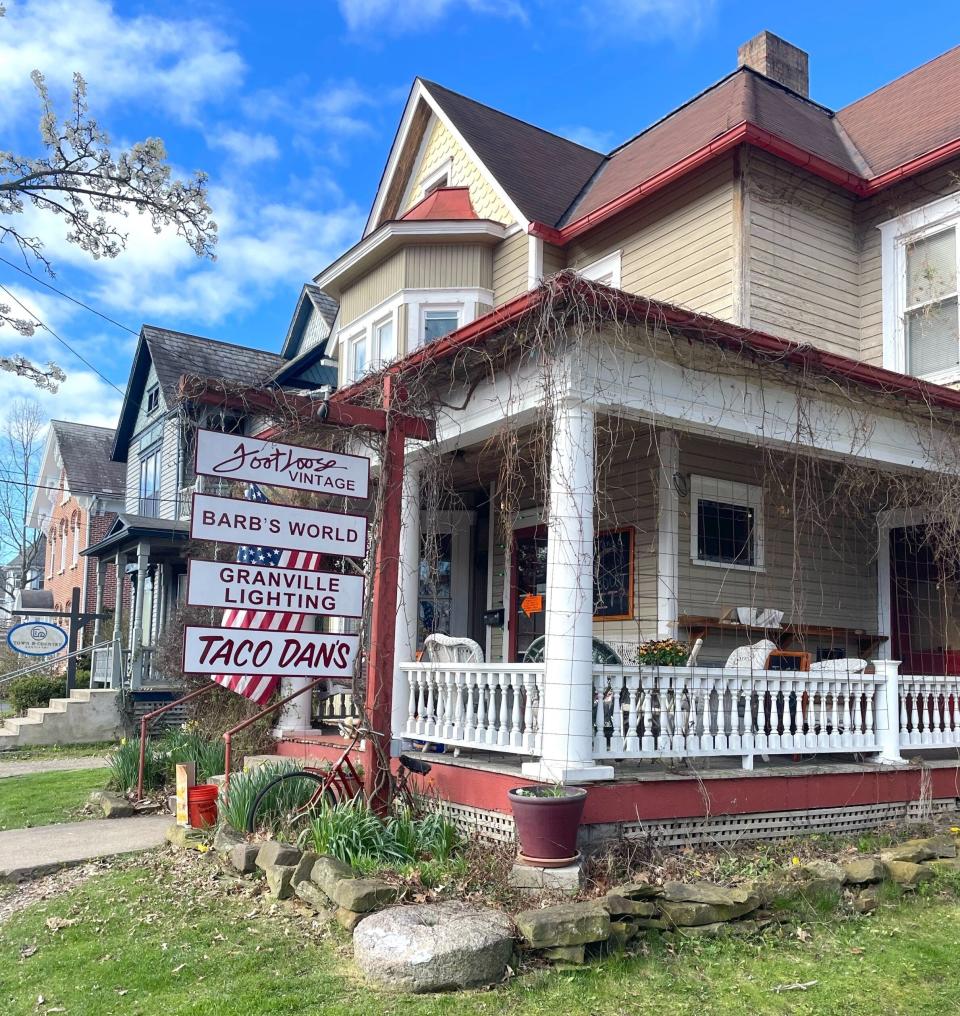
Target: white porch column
(120,565)
(98,601)
(405,633)
(567,748)
(887,724)
(668,534)
(296,716)
(136,642)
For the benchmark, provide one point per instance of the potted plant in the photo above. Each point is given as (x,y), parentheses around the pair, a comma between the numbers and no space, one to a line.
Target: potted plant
(547,819)
(661,653)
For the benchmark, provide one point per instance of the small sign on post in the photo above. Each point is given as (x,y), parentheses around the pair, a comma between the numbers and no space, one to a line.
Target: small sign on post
(37,638)
(248,459)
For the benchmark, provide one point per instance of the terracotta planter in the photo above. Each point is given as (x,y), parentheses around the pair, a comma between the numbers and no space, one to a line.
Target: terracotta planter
(547,826)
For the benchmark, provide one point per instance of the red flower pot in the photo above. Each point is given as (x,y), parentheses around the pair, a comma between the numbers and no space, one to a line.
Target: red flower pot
(547,824)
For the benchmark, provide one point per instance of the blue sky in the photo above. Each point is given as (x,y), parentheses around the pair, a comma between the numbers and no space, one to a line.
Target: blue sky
(290,107)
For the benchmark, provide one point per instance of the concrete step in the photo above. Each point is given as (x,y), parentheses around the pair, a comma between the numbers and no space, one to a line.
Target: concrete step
(84,717)
(252,761)
(83,694)
(59,705)
(41,713)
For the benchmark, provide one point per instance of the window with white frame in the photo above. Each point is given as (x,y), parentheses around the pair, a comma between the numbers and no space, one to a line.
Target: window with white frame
(606,270)
(384,341)
(357,356)
(150,482)
(726,523)
(439,321)
(75,555)
(53,553)
(438,177)
(921,316)
(63,547)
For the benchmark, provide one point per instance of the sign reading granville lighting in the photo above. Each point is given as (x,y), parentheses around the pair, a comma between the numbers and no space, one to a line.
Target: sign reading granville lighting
(257,587)
(275,653)
(232,457)
(275,525)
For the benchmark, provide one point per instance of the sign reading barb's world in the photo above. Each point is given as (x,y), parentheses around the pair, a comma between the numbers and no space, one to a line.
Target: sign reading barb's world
(255,522)
(279,653)
(248,459)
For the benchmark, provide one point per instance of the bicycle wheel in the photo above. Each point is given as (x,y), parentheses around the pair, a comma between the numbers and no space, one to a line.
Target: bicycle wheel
(294,799)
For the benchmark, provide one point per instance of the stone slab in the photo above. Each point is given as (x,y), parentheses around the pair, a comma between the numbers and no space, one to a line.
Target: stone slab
(533,879)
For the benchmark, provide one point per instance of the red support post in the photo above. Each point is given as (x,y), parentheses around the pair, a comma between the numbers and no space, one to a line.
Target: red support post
(386,573)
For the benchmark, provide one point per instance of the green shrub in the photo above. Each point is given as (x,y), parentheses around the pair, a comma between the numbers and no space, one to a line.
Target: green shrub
(289,796)
(124,766)
(161,759)
(34,691)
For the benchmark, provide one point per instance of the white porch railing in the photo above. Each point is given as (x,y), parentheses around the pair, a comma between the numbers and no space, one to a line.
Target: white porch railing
(478,705)
(929,711)
(686,712)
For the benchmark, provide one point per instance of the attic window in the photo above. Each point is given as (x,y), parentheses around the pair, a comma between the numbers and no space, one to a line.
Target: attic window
(436,178)
(153,399)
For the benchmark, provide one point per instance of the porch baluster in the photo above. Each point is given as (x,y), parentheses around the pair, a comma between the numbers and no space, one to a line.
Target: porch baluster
(870,710)
(747,740)
(530,686)
(413,681)
(915,734)
(503,734)
(679,724)
(720,741)
(647,743)
(631,737)
(516,686)
(835,739)
(456,727)
(599,734)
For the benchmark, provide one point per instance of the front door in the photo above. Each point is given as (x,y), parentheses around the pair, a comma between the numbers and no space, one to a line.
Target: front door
(529,590)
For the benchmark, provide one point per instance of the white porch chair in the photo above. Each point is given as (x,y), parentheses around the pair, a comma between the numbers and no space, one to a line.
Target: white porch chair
(750,657)
(844,666)
(439,648)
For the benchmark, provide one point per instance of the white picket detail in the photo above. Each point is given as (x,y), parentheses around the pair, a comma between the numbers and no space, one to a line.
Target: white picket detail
(689,712)
(475,705)
(929,711)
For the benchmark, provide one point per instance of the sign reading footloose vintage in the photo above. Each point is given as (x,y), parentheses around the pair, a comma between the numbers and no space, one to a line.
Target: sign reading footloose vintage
(259,587)
(267,653)
(233,457)
(259,523)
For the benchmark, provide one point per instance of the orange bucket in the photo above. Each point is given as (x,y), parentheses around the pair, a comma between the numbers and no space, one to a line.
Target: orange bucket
(202,805)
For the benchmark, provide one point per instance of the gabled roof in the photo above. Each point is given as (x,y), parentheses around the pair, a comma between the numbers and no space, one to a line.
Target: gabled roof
(85,453)
(444,203)
(127,527)
(542,172)
(312,300)
(174,354)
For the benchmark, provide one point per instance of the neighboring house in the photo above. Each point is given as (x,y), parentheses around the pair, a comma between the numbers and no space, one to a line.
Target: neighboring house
(674,455)
(78,494)
(13,578)
(153,453)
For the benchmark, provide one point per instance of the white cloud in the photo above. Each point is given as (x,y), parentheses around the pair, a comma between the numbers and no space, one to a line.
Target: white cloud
(243,147)
(612,18)
(82,398)
(411,15)
(178,64)
(599,141)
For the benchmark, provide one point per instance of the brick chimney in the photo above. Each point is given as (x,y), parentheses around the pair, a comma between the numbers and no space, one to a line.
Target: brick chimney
(777,59)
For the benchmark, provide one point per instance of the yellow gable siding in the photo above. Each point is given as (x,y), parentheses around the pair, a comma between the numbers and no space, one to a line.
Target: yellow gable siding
(441,146)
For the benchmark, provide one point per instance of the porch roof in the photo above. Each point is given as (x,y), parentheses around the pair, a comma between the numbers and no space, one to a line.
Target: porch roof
(130,529)
(617,305)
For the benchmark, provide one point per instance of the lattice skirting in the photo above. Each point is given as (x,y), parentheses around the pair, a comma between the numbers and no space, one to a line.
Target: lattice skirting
(774,825)
(172,718)
(494,827)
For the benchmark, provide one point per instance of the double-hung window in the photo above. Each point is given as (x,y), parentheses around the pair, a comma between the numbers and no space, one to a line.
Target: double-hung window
(726,523)
(150,482)
(921,315)
(384,341)
(438,322)
(357,356)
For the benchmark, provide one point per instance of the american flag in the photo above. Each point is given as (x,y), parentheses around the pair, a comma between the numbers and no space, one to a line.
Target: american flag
(255,686)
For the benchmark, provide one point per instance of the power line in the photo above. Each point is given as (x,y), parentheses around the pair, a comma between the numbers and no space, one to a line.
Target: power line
(67,296)
(63,342)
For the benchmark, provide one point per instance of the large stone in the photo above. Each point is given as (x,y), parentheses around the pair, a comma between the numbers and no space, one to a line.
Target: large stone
(312,895)
(620,906)
(225,839)
(186,838)
(115,806)
(243,857)
(576,954)
(707,892)
(867,899)
(434,947)
(637,891)
(918,850)
(304,867)
(863,870)
(559,880)
(688,915)
(945,865)
(362,895)
(908,874)
(829,871)
(279,880)
(327,871)
(565,924)
(274,852)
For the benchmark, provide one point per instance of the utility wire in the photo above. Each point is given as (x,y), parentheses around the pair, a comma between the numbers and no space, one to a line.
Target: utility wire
(66,296)
(63,342)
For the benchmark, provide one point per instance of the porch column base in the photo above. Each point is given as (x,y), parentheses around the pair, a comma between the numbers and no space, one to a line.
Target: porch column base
(546,771)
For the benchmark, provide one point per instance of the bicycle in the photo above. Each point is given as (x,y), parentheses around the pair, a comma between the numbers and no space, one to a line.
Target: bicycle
(338,784)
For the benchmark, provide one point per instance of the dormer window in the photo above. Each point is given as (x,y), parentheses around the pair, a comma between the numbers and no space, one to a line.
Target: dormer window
(605,271)
(921,311)
(153,399)
(438,322)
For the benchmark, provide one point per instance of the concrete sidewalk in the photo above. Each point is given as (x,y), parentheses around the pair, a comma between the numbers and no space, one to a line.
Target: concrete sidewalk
(26,853)
(51,765)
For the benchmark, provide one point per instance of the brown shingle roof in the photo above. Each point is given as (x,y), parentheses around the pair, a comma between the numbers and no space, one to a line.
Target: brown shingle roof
(85,452)
(911,116)
(541,172)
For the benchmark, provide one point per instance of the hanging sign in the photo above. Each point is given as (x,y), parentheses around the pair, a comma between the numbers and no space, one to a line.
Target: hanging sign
(234,457)
(37,638)
(263,524)
(267,653)
(259,587)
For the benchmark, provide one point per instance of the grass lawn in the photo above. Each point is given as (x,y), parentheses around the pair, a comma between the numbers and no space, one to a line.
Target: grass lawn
(45,798)
(158,936)
(57,751)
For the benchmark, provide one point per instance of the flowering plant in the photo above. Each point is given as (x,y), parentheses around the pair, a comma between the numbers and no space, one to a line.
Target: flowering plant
(661,653)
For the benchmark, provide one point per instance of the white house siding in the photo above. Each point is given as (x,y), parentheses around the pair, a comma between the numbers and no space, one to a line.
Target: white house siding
(802,271)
